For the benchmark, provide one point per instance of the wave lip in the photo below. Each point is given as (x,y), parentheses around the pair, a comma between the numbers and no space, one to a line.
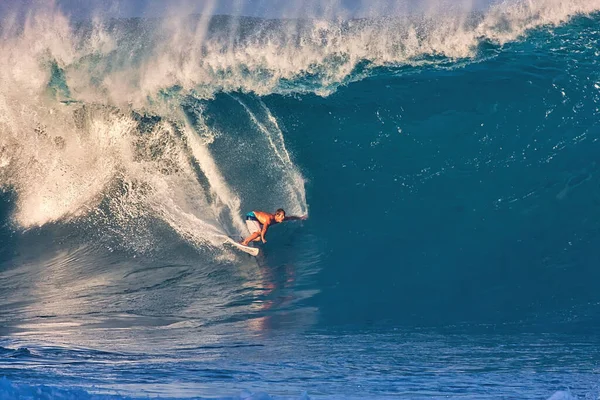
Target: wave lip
(129,61)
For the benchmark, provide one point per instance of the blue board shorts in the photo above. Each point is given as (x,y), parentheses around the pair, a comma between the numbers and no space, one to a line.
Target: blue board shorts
(252,223)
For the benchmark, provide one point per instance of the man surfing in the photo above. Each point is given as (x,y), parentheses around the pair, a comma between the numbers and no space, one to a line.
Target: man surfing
(258,223)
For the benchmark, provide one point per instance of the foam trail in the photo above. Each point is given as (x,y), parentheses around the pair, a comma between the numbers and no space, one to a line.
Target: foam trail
(276,141)
(224,197)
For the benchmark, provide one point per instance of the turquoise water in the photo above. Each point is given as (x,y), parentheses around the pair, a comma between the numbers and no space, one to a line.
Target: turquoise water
(448,166)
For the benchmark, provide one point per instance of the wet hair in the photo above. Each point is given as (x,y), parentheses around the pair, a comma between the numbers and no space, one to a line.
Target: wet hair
(280,210)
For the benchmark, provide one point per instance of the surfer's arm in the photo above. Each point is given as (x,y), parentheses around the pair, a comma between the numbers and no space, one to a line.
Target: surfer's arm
(264,232)
(293,218)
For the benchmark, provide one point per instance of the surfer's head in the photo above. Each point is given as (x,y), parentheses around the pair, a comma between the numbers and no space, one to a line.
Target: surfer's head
(279,215)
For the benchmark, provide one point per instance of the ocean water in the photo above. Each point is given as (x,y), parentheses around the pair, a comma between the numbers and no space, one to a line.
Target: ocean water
(447,162)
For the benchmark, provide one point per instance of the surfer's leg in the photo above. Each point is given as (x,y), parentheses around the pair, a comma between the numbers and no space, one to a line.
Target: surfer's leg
(251,238)
(258,238)
(254,227)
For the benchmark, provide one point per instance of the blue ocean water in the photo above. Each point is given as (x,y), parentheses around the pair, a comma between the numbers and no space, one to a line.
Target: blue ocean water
(448,165)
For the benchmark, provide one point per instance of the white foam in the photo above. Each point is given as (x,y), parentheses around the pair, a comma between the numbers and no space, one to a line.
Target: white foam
(327,47)
(562,395)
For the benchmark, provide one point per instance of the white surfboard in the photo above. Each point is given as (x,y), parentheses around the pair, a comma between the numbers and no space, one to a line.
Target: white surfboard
(253,251)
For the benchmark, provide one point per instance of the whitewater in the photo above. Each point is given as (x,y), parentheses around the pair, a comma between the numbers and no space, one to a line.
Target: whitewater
(446,155)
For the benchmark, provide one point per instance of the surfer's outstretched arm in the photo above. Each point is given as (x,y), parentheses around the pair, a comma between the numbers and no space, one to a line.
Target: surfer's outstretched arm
(293,218)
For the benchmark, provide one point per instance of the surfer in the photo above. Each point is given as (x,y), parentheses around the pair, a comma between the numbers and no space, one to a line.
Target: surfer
(258,223)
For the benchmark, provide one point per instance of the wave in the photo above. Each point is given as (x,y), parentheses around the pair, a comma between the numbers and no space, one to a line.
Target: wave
(133,132)
(10,390)
(119,106)
(451,165)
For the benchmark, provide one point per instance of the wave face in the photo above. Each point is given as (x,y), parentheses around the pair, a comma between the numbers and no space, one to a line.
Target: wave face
(456,152)
(448,162)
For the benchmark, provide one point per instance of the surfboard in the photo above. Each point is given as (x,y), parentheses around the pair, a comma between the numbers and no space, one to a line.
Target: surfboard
(253,251)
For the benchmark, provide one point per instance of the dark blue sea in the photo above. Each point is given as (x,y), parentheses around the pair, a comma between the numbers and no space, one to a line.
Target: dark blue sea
(448,162)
